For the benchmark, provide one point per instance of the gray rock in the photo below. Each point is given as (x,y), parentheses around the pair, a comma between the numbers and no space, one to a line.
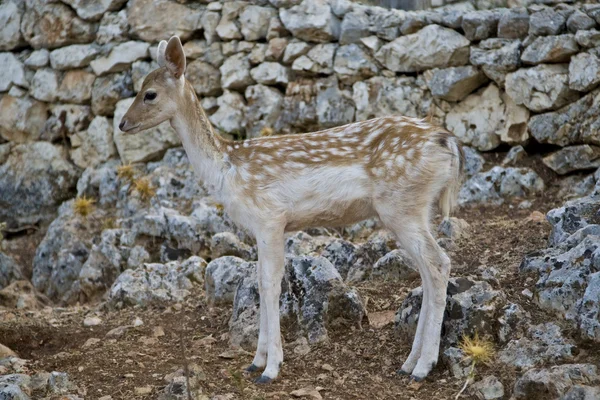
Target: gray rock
(150,145)
(227,28)
(457,361)
(541,88)
(222,277)
(13,71)
(34,180)
(10,271)
(380,96)
(574,123)
(76,86)
(574,186)
(230,115)
(550,49)
(553,382)
(593,11)
(547,22)
(11,391)
(514,322)
(514,155)
(489,388)
(473,161)
(479,119)
(385,24)
(318,60)
(312,21)
(38,59)
(395,265)
(254,21)
(497,57)
(74,56)
(480,25)
(431,47)
(456,83)
(584,72)
(65,119)
(44,85)
(205,78)
(270,73)
(471,307)
(498,184)
(514,24)
(120,58)
(235,72)
(148,22)
(113,28)
(295,49)
(367,254)
(209,21)
(93,10)
(11,13)
(582,392)
(543,344)
(263,109)
(157,284)
(22,119)
(355,26)
(334,107)
(50,25)
(342,254)
(97,145)
(573,158)
(580,21)
(109,90)
(313,299)
(228,244)
(588,39)
(275,49)
(353,64)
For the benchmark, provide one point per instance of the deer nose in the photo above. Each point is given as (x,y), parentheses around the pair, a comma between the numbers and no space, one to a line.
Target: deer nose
(122,124)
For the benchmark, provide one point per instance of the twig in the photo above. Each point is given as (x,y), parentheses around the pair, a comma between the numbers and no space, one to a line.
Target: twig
(185,365)
(469,379)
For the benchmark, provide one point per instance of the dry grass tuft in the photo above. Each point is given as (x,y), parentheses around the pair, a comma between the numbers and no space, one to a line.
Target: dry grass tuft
(144,188)
(266,131)
(126,172)
(83,206)
(479,350)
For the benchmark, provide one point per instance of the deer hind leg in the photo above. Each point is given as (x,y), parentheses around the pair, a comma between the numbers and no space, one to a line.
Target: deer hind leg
(434,267)
(271,258)
(260,358)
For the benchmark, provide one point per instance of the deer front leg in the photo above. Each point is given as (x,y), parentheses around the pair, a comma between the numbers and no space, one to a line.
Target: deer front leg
(260,358)
(271,258)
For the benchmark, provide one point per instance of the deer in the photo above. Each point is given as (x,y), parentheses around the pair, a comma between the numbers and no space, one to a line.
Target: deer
(392,168)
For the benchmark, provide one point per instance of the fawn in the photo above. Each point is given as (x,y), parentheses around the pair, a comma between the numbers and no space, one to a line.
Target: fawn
(393,168)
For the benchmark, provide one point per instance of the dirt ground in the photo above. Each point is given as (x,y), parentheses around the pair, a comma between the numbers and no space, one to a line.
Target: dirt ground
(354,364)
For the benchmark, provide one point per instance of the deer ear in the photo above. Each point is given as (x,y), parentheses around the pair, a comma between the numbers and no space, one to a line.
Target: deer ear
(160,53)
(175,57)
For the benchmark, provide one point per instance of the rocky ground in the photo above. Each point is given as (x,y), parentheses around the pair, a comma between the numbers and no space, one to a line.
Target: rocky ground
(141,319)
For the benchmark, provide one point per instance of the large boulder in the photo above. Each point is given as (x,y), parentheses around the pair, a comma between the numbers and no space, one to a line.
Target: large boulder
(155,20)
(54,24)
(95,145)
(550,49)
(314,298)
(573,158)
(554,382)
(94,9)
(14,72)
(108,90)
(584,72)
(431,47)
(223,276)
(456,83)
(144,146)
(497,57)
(10,271)
(74,56)
(120,58)
(34,180)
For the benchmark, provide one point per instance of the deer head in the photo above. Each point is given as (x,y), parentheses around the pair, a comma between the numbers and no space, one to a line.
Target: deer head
(162,92)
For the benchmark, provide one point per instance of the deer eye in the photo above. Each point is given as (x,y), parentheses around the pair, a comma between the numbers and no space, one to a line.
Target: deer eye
(150,96)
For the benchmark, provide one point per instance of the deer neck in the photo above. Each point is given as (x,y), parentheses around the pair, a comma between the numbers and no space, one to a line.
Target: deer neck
(202,145)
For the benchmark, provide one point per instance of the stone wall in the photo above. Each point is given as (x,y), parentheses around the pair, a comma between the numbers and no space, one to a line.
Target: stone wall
(508,75)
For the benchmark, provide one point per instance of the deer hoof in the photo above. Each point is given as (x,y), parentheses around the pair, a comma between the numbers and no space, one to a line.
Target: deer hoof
(263,380)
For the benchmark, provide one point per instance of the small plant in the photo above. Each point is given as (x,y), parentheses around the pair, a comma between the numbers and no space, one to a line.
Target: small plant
(478,351)
(83,206)
(220,209)
(266,131)
(2,228)
(109,223)
(126,172)
(237,378)
(144,188)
